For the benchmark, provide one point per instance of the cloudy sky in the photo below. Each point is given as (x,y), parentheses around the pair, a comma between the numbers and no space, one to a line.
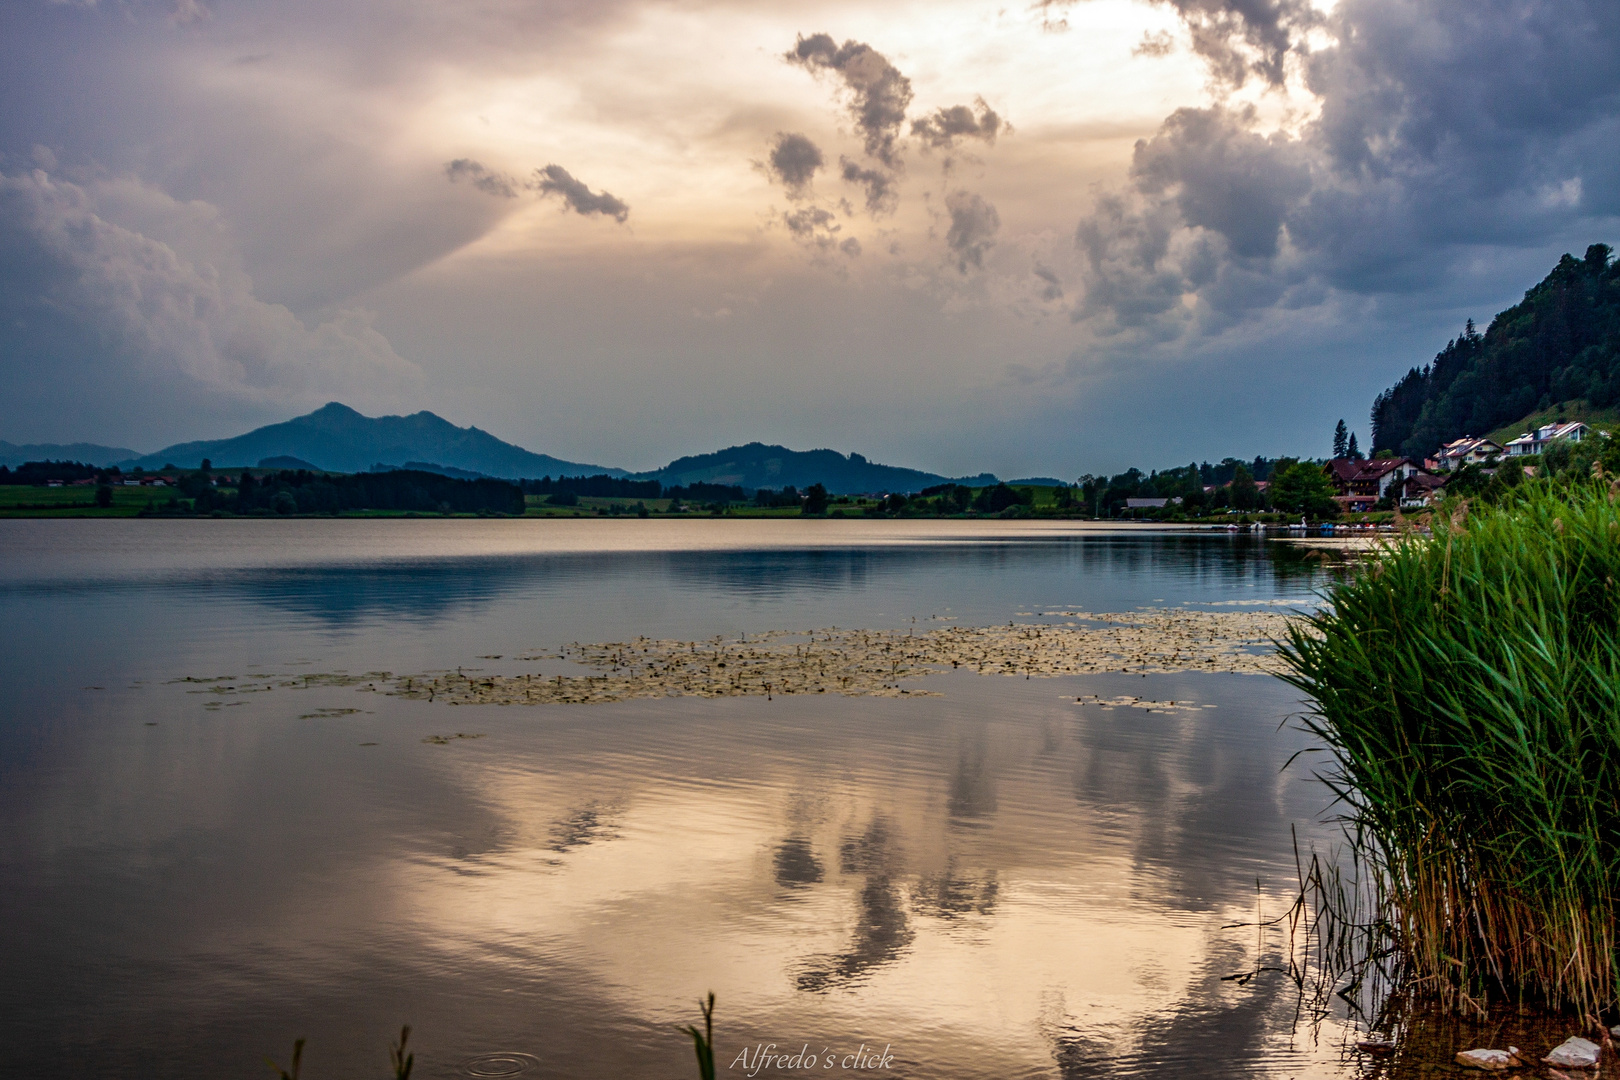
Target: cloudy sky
(1034,238)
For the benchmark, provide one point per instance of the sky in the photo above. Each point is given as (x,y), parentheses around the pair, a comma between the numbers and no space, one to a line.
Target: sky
(1042,238)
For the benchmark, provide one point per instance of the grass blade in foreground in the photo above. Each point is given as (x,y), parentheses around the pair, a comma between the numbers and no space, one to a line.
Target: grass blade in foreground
(703,1041)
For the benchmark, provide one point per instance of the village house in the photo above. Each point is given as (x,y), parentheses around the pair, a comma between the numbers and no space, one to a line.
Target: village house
(1422,489)
(1369,478)
(1534,442)
(1464,451)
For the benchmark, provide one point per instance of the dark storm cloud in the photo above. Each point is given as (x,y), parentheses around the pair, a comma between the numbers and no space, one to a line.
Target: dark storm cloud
(879,94)
(1053,289)
(810,223)
(556,180)
(882,196)
(486,180)
(817,228)
(945,126)
(1243,37)
(1224,177)
(1237,38)
(1444,126)
(793,161)
(974,224)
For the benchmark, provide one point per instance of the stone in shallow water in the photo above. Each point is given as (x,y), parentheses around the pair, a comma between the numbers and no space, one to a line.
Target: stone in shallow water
(1575,1053)
(1490,1060)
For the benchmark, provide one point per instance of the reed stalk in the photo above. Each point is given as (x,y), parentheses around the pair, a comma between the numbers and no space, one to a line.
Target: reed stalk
(1467,687)
(703,1041)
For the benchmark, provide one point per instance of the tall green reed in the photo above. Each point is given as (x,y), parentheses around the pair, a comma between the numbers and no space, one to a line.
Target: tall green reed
(1467,686)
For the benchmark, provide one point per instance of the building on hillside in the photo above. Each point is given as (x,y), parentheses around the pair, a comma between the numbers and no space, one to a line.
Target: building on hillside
(1370,478)
(1465,451)
(1149,504)
(1534,442)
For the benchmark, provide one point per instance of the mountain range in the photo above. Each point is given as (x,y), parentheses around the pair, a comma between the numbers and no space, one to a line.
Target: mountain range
(13,454)
(339,439)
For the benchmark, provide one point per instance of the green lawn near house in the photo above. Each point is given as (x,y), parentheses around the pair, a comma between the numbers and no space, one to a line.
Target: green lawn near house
(1579,409)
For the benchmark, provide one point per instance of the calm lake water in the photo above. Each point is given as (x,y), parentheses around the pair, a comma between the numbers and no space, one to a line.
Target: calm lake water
(994,882)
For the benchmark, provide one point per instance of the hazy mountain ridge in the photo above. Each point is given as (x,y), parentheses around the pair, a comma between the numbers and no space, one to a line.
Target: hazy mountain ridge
(337,438)
(14,454)
(757,465)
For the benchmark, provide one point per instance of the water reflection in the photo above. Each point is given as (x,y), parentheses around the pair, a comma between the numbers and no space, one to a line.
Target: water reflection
(1000,881)
(953,893)
(796,864)
(973,788)
(1212,1032)
(970,581)
(882,930)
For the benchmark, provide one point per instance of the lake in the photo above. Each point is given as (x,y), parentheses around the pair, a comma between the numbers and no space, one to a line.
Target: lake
(1007,878)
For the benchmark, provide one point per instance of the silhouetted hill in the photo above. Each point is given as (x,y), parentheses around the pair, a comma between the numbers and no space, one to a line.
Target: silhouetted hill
(1559,344)
(757,466)
(12,455)
(433,467)
(337,438)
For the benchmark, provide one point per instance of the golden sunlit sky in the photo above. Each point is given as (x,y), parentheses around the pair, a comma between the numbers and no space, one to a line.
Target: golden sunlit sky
(1038,239)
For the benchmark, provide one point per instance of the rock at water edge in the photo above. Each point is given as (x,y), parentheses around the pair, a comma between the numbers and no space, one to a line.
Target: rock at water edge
(1575,1053)
(1490,1060)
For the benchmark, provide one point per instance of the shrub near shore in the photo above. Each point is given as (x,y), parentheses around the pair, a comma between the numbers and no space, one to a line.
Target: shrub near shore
(1468,688)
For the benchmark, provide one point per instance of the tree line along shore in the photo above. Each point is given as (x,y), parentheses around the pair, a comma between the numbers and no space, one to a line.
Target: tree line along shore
(1285,490)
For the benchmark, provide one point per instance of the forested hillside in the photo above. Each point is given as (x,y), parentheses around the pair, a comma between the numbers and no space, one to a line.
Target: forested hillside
(1560,343)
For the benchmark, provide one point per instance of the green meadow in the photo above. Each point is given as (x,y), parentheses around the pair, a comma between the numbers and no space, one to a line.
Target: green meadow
(22,501)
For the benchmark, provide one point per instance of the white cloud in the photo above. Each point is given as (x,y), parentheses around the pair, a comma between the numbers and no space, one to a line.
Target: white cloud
(172,319)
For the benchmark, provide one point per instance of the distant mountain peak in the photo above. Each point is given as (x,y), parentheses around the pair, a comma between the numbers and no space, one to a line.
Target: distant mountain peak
(338,438)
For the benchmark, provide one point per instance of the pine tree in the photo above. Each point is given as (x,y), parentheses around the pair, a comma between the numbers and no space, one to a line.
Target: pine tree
(1340,447)
(1352,450)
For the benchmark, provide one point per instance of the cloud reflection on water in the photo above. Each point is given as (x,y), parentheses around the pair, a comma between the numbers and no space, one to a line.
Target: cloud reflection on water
(1001,881)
